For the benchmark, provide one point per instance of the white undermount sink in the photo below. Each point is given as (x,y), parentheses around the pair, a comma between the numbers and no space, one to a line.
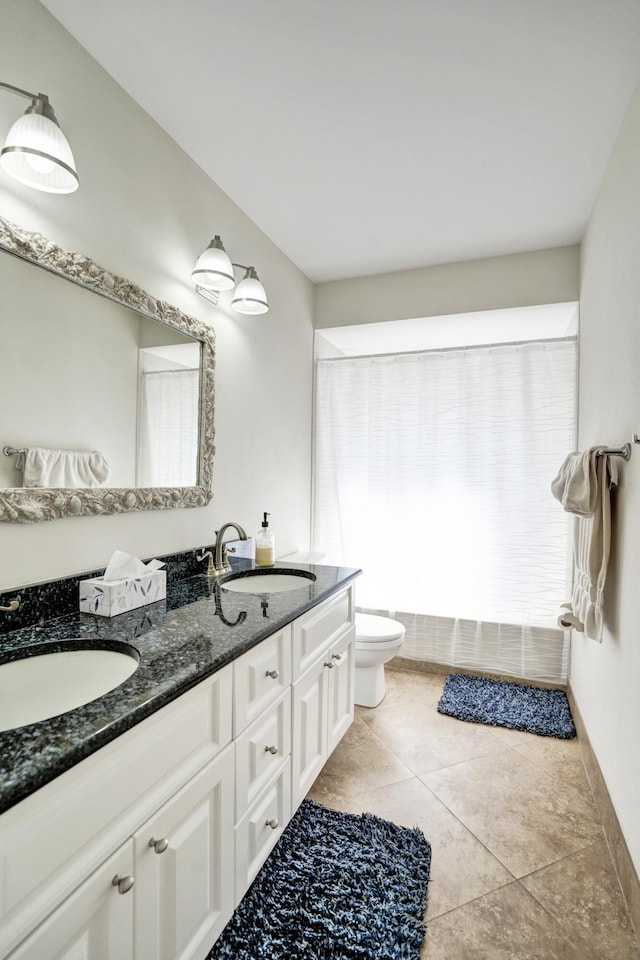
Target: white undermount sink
(267,581)
(35,688)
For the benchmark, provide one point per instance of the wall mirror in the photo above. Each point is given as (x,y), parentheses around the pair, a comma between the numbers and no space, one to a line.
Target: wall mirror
(106,394)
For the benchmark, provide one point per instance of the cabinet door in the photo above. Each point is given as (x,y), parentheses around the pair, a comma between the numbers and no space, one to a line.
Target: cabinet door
(184,861)
(309,737)
(94,923)
(340,693)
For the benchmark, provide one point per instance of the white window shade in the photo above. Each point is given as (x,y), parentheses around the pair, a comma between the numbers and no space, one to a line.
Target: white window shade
(432,474)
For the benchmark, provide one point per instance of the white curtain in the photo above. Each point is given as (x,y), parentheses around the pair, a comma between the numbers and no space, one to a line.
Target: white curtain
(168,427)
(432,474)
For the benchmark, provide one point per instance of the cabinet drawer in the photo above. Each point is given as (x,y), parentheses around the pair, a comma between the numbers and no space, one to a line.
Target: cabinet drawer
(316,630)
(260,676)
(260,829)
(261,751)
(64,830)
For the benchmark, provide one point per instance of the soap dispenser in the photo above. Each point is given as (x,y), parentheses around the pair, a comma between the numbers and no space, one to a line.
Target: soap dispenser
(265,545)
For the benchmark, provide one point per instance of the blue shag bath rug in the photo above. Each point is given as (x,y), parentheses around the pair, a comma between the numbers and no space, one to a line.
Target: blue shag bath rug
(336,887)
(540,710)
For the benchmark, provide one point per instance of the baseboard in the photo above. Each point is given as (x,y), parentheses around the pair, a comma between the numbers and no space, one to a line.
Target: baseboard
(618,849)
(443,669)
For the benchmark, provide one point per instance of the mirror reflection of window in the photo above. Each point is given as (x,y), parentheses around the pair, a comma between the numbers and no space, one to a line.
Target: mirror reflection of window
(168,415)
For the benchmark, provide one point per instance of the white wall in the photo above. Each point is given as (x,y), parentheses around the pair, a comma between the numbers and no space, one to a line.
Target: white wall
(145,211)
(606,678)
(517,280)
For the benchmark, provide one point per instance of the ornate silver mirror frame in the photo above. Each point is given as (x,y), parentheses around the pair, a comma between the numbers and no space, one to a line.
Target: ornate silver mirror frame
(31,504)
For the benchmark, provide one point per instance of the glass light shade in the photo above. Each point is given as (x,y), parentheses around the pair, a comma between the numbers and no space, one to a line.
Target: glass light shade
(250,296)
(36,153)
(213,269)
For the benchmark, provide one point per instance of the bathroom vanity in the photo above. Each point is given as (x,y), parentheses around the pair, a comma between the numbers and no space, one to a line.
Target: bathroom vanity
(133,826)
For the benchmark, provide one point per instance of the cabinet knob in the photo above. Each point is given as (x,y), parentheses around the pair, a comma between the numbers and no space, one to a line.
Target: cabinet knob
(274,674)
(159,845)
(272,823)
(272,750)
(123,884)
(336,656)
(330,665)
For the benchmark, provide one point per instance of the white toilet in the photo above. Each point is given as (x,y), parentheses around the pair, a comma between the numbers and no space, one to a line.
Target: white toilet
(378,639)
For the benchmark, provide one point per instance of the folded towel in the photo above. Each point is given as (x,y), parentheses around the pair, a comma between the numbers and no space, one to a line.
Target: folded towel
(62,468)
(575,484)
(583,486)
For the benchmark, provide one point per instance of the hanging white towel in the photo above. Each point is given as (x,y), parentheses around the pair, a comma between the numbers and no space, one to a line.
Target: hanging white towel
(583,487)
(62,468)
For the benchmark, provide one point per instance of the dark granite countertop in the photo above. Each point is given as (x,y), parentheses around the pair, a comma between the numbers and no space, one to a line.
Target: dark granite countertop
(198,629)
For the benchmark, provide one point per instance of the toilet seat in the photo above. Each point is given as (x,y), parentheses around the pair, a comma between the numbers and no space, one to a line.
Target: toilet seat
(374,629)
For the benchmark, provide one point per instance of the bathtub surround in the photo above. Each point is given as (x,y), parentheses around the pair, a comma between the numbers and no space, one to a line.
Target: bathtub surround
(500,703)
(337,885)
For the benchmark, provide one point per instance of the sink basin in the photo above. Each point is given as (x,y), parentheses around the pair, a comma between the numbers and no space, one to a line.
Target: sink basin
(44,685)
(267,581)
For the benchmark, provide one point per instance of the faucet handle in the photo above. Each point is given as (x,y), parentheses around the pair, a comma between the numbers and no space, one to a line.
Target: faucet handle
(210,571)
(225,566)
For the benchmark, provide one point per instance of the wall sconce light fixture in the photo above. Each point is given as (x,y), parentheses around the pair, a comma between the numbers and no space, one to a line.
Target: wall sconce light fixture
(213,273)
(36,151)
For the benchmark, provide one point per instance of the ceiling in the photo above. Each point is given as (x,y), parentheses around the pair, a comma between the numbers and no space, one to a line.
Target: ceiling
(365,136)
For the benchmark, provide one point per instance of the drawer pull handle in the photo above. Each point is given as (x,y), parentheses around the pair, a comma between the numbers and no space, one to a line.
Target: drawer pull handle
(159,845)
(330,665)
(274,674)
(123,884)
(336,656)
(272,823)
(272,750)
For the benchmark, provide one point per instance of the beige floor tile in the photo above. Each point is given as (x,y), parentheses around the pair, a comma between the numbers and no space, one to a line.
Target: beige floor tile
(507,924)
(524,816)
(494,803)
(583,894)
(560,758)
(363,758)
(462,869)
(437,742)
(418,693)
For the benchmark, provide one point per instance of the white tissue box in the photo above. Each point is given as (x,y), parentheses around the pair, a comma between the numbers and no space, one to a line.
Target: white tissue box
(109,598)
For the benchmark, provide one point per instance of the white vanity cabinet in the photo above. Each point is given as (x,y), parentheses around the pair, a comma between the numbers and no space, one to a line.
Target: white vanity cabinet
(188,803)
(171,898)
(171,774)
(323,678)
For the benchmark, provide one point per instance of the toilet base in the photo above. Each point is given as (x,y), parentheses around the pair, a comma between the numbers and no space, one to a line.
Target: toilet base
(369,685)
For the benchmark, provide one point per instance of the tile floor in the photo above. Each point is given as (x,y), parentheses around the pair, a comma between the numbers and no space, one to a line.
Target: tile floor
(520,869)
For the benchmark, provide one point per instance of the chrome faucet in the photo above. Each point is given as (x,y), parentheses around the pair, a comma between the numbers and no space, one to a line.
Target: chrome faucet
(220,561)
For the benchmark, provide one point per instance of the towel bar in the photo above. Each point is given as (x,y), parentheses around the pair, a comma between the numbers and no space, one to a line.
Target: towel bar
(623,451)
(12,451)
